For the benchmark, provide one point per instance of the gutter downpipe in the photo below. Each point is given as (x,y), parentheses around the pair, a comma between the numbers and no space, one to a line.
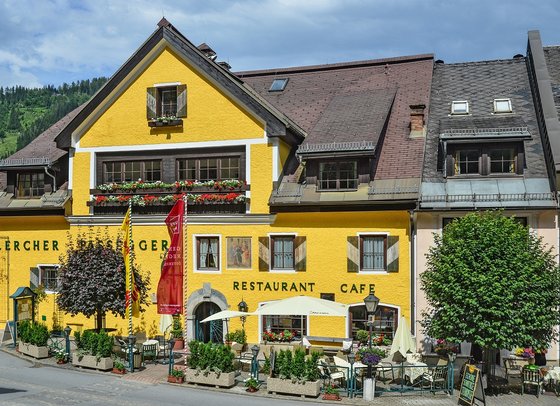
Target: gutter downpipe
(412,273)
(52,176)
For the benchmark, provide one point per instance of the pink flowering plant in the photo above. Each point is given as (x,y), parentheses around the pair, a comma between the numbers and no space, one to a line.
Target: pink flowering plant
(525,352)
(443,348)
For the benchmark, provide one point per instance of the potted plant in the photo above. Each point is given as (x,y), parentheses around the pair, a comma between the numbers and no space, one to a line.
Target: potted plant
(177,333)
(210,364)
(93,350)
(177,376)
(33,339)
(443,348)
(252,385)
(118,366)
(370,356)
(61,356)
(331,392)
(362,336)
(294,374)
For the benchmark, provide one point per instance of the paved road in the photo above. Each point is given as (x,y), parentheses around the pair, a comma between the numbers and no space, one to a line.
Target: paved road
(24,383)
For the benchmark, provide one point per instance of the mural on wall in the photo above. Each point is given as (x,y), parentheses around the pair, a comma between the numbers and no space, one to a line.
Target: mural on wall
(239,252)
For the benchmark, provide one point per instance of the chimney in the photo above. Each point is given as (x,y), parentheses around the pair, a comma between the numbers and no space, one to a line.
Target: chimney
(224,65)
(206,50)
(417,119)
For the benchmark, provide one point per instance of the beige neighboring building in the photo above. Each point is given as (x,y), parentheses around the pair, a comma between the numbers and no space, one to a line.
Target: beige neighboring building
(484,150)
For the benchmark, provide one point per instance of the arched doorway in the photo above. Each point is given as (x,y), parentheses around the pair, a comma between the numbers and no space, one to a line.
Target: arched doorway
(211,331)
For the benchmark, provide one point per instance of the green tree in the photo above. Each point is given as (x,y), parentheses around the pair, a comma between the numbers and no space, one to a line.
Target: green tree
(92,277)
(491,282)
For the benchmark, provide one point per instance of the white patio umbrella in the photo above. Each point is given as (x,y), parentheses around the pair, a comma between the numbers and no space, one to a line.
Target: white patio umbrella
(303,306)
(403,342)
(225,314)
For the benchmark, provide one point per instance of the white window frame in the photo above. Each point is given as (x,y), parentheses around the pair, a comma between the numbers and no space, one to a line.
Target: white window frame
(40,268)
(455,104)
(504,100)
(195,254)
(372,271)
(270,253)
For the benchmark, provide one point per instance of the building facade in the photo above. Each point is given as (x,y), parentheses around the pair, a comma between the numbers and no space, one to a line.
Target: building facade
(299,182)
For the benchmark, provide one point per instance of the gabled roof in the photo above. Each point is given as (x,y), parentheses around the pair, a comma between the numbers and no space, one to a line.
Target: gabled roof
(277,123)
(356,101)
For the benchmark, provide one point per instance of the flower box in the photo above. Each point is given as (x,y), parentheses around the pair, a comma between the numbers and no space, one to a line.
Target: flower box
(90,361)
(33,350)
(165,123)
(331,396)
(119,371)
(175,379)
(277,385)
(225,379)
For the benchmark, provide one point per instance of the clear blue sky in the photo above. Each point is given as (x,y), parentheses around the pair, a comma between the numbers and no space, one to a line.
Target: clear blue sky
(55,41)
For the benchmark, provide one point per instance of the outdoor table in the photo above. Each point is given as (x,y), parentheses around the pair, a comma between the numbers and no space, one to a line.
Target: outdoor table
(552,378)
(414,370)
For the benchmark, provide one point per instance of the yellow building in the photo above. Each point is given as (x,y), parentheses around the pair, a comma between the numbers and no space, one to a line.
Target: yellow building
(329,162)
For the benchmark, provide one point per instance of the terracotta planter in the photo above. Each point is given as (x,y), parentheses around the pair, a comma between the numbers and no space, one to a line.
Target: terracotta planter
(251,390)
(331,396)
(119,371)
(179,344)
(175,379)
(60,361)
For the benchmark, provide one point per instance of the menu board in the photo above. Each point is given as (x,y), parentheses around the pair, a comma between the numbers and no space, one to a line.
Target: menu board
(471,386)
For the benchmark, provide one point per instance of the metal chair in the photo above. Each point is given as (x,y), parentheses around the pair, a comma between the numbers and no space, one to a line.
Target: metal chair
(435,379)
(150,350)
(512,368)
(532,377)
(162,345)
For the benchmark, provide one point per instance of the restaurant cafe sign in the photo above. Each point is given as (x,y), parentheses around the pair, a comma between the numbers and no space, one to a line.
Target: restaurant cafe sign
(299,287)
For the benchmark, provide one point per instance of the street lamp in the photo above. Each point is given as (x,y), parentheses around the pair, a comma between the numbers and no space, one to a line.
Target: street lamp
(171,343)
(371,301)
(67,331)
(242,307)
(254,366)
(351,360)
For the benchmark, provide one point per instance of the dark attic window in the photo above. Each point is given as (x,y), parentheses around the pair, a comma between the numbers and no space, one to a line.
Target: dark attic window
(278,85)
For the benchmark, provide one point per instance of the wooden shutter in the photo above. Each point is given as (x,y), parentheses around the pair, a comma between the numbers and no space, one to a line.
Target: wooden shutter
(264,254)
(151,103)
(450,165)
(392,253)
(182,101)
(520,163)
(34,280)
(353,254)
(300,253)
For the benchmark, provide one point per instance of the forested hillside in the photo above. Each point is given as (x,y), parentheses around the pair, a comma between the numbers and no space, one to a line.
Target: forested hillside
(27,112)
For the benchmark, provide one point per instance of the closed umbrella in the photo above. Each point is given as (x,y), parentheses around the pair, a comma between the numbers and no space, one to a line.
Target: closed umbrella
(165,322)
(403,342)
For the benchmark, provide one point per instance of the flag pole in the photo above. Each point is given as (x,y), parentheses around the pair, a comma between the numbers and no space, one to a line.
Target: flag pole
(131,338)
(185,297)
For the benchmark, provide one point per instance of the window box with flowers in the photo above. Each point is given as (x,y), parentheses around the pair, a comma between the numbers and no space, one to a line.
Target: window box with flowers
(167,121)
(141,186)
(444,348)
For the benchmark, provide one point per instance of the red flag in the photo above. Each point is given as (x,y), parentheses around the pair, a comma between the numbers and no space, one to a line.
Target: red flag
(170,286)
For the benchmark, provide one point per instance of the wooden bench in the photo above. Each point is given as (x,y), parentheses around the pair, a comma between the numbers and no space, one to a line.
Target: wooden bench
(327,344)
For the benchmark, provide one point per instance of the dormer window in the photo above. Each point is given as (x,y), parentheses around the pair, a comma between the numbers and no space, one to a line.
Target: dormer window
(278,85)
(459,107)
(502,106)
(31,184)
(166,103)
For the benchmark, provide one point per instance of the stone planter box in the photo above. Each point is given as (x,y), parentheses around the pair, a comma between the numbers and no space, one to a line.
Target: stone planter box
(33,350)
(226,380)
(277,385)
(90,361)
